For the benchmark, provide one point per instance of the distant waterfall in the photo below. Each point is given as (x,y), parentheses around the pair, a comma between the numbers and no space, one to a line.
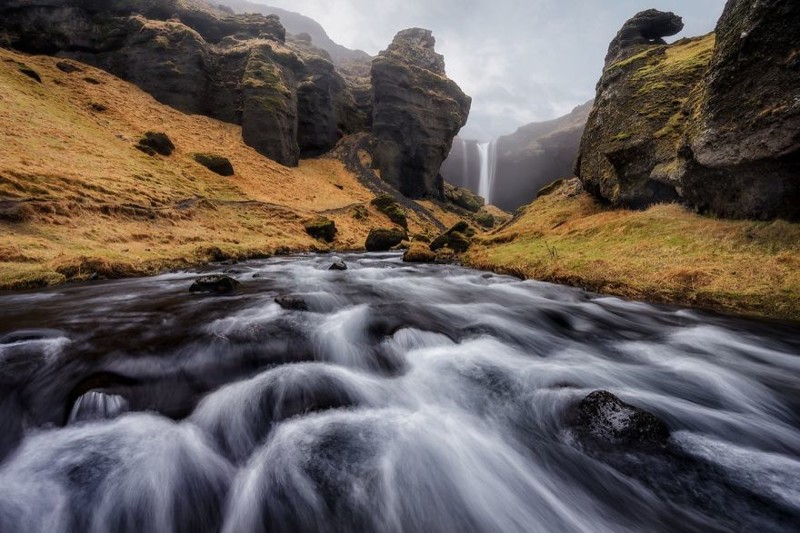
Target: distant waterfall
(488,155)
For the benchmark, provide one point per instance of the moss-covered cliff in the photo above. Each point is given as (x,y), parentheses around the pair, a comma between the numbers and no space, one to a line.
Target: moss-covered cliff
(710,121)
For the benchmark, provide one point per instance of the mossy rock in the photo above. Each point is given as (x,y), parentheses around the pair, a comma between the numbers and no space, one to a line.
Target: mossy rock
(456,238)
(419,237)
(386,204)
(382,240)
(360,212)
(215,163)
(156,143)
(464,198)
(321,228)
(419,253)
(458,242)
(484,219)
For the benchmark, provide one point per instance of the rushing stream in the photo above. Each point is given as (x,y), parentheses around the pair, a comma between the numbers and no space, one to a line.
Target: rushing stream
(406,398)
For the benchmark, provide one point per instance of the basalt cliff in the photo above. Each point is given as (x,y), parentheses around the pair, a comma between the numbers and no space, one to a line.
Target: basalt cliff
(287,94)
(712,122)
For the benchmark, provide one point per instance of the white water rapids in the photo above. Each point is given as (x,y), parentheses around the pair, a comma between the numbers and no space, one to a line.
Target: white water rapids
(407,398)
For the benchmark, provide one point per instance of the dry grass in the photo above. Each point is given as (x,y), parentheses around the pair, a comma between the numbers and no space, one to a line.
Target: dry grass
(663,254)
(93,203)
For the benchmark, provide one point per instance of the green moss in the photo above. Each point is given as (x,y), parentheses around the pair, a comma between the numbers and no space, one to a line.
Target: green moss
(623,136)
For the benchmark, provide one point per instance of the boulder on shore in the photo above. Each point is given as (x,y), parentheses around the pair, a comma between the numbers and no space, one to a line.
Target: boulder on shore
(419,253)
(321,228)
(382,240)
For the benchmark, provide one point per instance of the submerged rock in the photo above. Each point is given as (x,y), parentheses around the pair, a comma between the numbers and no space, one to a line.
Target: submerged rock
(602,418)
(292,302)
(216,284)
(338,264)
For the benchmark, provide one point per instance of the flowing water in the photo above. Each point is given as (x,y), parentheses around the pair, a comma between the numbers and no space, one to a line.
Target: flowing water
(488,158)
(407,398)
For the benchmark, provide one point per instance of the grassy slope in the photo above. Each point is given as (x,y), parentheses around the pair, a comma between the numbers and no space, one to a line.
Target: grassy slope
(95,203)
(664,254)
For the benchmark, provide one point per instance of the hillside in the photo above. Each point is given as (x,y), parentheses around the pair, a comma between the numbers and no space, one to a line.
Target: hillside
(663,254)
(78,199)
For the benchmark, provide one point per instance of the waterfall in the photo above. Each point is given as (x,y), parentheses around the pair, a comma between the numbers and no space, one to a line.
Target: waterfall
(488,155)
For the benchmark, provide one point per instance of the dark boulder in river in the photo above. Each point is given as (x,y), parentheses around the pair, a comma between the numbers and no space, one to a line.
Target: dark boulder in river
(602,418)
(292,302)
(216,284)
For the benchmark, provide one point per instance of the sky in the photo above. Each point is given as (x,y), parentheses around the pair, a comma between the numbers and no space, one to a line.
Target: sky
(522,61)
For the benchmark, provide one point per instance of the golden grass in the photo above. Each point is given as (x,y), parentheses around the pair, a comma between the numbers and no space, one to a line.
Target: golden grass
(100,205)
(664,254)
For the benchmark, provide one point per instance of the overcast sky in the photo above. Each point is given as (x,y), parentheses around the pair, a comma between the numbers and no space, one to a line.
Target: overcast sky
(521,61)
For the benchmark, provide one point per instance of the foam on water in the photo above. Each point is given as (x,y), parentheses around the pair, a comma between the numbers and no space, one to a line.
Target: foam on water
(408,398)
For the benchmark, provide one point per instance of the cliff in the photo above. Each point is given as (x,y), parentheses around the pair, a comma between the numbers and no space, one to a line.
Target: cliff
(82,196)
(711,121)
(417,111)
(287,94)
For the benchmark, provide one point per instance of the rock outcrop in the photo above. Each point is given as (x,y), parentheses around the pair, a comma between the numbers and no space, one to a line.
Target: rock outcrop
(287,95)
(712,121)
(417,111)
(646,28)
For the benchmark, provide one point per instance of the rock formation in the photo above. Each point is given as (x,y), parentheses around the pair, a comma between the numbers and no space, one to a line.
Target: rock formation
(646,28)
(712,121)
(417,111)
(287,95)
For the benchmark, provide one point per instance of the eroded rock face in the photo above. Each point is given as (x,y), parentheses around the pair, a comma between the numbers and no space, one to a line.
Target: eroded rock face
(713,122)
(287,96)
(417,111)
(742,156)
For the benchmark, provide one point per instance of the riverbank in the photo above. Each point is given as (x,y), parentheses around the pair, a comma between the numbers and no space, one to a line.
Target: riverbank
(78,199)
(665,254)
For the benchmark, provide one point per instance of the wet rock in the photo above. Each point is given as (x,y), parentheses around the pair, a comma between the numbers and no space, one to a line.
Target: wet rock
(216,284)
(603,419)
(382,240)
(419,253)
(215,163)
(321,228)
(417,111)
(386,204)
(292,302)
(338,265)
(156,143)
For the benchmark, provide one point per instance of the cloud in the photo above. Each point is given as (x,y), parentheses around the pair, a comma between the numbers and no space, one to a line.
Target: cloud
(521,60)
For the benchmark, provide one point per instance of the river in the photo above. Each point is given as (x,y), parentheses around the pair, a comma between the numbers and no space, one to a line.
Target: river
(405,398)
